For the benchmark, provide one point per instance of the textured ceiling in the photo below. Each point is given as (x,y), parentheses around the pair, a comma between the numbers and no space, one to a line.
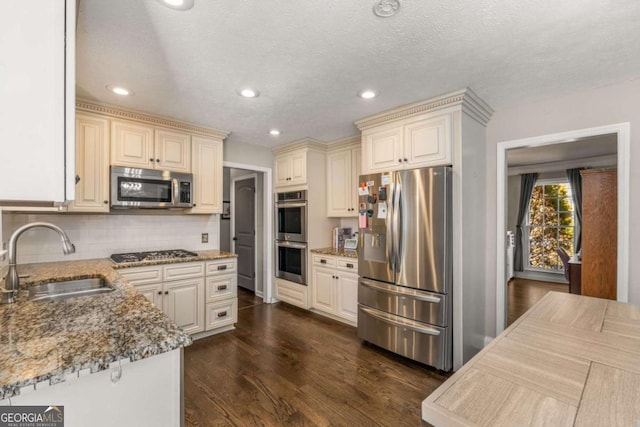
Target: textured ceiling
(584,148)
(309,58)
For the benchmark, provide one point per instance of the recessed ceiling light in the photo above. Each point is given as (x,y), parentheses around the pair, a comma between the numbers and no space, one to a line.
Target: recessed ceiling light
(177,4)
(119,90)
(274,132)
(248,93)
(367,94)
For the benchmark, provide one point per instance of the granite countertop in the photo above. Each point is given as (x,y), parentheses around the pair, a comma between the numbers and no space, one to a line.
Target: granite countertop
(51,341)
(347,253)
(209,255)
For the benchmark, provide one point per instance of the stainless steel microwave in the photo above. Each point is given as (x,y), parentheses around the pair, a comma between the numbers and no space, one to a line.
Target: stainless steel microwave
(147,188)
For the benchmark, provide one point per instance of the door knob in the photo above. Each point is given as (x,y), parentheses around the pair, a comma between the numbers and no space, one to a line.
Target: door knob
(235,238)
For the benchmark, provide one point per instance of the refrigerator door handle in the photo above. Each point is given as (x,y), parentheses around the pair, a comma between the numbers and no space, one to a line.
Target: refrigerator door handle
(398,291)
(406,324)
(390,233)
(397,232)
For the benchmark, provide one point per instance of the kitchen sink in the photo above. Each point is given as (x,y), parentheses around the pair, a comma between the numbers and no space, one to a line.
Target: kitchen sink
(55,291)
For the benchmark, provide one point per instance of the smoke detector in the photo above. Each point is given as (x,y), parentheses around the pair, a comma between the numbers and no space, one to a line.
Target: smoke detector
(386,8)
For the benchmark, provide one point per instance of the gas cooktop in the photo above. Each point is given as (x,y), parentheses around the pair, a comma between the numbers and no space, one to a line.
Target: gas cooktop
(151,256)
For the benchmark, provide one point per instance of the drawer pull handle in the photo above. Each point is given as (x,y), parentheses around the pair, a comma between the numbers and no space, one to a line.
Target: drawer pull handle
(222,267)
(222,287)
(222,314)
(349,265)
(323,261)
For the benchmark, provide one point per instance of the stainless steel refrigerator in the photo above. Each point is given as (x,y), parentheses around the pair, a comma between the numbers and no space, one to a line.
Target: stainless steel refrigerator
(405,267)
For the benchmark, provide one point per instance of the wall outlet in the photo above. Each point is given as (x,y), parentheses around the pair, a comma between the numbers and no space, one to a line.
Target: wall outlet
(205,237)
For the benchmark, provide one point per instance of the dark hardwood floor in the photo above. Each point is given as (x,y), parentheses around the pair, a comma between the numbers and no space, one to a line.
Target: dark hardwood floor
(523,294)
(247,298)
(286,366)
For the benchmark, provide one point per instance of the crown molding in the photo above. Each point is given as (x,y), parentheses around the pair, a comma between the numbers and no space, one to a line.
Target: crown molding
(137,116)
(306,143)
(470,103)
(345,143)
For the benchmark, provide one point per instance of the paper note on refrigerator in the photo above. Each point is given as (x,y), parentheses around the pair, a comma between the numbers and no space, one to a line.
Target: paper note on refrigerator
(363,191)
(362,220)
(382,210)
(386,179)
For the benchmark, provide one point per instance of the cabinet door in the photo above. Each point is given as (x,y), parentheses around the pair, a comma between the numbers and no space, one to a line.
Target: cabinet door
(298,168)
(153,292)
(132,144)
(356,171)
(322,292)
(92,164)
(428,142)
(206,164)
(383,149)
(184,303)
(283,170)
(347,296)
(37,100)
(339,184)
(172,151)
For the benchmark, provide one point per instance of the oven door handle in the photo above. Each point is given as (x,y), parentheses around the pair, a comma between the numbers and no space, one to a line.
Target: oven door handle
(291,205)
(291,245)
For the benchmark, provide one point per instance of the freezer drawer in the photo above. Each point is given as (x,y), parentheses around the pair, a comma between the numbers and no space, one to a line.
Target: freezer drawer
(419,341)
(413,304)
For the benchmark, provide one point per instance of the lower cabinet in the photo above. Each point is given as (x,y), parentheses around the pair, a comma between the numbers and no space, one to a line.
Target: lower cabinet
(334,287)
(292,293)
(197,296)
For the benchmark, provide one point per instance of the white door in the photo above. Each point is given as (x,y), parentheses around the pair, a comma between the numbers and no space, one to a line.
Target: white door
(132,144)
(428,142)
(322,289)
(347,296)
(184,303)
(283,170)
(172,151)
(383,149)
(339,200)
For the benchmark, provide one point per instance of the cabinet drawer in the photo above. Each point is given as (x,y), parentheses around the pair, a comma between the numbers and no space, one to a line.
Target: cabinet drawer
(324,261)
(185,270)
(346,264)
(222,266)
(142,275)
(220,287)
(222,313)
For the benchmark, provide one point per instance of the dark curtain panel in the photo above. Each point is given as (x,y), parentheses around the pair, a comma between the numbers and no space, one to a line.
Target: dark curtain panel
(528,181)
(575,181)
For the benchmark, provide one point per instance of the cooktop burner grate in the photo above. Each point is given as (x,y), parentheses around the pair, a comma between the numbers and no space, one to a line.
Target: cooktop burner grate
(151,256)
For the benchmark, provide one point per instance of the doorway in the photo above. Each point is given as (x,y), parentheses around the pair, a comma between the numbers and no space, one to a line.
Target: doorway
(243,228)
(560,142)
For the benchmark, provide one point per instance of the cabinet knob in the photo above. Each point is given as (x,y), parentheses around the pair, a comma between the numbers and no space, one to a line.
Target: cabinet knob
(158,160)
(159,292)
(151,159)
(406,160)
(337,277)
(106,202)
(194,205)
(222,287)
(77,179)
(349,265)
(222,314)
(166,292)
(399,160)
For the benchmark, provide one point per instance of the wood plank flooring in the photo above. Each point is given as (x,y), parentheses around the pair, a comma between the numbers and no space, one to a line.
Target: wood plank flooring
(522,294)
(286,366)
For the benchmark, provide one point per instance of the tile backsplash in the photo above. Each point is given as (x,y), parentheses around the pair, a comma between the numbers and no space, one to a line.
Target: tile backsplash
(98,236)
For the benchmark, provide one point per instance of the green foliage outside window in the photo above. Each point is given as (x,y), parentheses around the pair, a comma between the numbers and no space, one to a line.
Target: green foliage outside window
(550,225)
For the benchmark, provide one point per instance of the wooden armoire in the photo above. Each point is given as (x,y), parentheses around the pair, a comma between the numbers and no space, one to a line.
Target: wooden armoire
(599,232)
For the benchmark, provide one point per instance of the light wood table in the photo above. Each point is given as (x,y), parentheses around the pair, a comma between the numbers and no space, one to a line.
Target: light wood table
(570,360)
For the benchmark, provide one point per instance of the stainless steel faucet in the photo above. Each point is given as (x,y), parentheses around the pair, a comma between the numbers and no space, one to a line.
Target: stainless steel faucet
(12,280)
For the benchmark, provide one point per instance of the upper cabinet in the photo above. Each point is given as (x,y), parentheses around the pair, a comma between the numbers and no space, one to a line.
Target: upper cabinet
(207,174)
(37,93)
(416,142)
(92,164)
(343,170)
(291,168)
(142,146)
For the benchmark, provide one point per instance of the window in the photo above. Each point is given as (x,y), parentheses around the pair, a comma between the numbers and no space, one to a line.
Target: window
(550,225)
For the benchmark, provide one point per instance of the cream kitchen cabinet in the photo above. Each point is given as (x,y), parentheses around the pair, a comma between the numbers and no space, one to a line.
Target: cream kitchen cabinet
(411,143)
(143,146)
(343,171)
(177,289)
(92,164)
(291,168)
(37,93)
(206,162)
(334,287)
(221,294)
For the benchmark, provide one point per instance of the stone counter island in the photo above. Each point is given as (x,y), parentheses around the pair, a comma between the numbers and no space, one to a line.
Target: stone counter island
(109,359)
(570,360)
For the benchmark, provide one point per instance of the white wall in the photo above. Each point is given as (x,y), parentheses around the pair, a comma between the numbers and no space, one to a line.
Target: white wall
(98,236)
(588,108)
(248,154)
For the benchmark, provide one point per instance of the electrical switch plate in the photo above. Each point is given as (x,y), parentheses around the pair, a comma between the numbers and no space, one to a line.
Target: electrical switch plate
(205,237)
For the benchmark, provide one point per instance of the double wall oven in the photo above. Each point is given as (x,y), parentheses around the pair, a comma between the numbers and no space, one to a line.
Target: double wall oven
(291,236)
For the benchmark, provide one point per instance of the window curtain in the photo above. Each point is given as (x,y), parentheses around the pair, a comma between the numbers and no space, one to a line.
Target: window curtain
(575,181)
(527,183)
